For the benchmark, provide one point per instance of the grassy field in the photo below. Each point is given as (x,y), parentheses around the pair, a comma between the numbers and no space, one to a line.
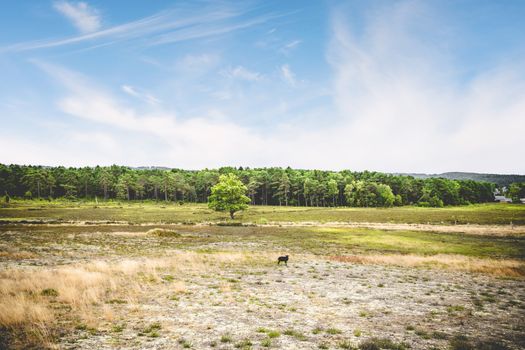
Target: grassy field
(183,279)
(150,212)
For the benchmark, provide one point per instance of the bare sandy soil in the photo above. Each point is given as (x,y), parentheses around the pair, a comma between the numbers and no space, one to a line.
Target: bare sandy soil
(319,303)
(233,295)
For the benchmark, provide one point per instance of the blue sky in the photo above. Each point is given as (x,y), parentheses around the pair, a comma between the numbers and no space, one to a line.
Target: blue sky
(396,86)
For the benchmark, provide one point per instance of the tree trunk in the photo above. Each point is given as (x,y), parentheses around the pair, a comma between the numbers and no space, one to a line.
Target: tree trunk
(38,188)
(165,193)
(156,190)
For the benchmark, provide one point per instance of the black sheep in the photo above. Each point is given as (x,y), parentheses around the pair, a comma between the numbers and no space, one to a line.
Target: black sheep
(282,258)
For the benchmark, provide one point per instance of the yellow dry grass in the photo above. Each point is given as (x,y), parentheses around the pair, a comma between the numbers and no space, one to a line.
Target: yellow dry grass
(26,295)
(497,267)
(16,255)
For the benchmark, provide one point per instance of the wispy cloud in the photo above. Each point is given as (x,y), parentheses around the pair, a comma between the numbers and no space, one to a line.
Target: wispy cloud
(289,47)
(84,17)
(242,73)
(287,75)
(397,94)
(183,138)
(140,94)
(393,101)
(200,62)
(169,26)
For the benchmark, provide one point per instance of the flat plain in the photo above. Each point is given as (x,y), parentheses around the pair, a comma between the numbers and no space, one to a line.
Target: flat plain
(165,276)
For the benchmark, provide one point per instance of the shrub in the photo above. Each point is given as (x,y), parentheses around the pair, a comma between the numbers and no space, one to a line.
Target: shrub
(295,334)
(266,343)
(273,334)
(333,331)
(460,342)
(162,232)
(49,292)
(244,344)
(345,344)
(226,338)
(381,343)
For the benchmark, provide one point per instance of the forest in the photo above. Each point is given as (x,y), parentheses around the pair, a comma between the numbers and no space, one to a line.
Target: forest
(265,186)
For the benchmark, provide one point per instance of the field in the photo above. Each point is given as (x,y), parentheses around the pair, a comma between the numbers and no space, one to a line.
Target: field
(148,212)
(165,276)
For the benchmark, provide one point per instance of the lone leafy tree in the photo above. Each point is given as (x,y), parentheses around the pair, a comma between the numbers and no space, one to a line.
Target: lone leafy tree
(229,194)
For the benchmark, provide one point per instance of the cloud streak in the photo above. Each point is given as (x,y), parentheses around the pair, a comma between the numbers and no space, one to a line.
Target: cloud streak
(83,16)
(242,73)
(141,95)
(287,75)
(392,101)
(169,26)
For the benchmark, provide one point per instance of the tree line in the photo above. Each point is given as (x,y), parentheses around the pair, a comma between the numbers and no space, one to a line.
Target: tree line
(265,186)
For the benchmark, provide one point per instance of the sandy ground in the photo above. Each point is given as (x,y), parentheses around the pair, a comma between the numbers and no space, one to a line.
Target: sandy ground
(418,307)
(314,302)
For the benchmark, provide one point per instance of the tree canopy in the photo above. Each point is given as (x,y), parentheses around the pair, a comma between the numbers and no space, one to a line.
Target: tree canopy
(229,194)
(265,186)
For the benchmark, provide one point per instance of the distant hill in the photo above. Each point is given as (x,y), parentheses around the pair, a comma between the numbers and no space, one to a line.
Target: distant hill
(498,179)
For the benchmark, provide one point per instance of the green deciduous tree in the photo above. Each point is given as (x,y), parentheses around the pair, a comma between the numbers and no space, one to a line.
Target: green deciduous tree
(229,194)
(516,191)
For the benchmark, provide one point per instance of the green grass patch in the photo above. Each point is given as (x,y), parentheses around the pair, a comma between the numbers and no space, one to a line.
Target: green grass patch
(151,212)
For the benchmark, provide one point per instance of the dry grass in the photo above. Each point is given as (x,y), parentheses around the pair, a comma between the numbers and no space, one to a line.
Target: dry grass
(497,267)
(162,232)
(470,229)
(30,298)
(16,255)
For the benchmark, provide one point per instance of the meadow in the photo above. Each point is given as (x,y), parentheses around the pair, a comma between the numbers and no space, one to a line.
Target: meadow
(138,212)
(168,276)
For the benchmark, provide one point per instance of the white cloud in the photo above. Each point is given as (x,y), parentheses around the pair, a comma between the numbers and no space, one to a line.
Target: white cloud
(403,109)
(242,73)
(397,106)
(199,63)
(84,17)
(140,94)
(287,75)
(177,24)
(193,142)
(289,47)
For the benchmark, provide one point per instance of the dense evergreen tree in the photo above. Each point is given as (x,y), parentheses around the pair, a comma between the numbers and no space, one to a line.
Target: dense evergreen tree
(267,186)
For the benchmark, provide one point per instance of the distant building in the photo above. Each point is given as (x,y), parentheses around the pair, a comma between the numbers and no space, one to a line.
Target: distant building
(502,199)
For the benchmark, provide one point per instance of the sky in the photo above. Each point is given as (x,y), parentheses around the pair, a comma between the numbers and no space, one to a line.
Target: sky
(394,86)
